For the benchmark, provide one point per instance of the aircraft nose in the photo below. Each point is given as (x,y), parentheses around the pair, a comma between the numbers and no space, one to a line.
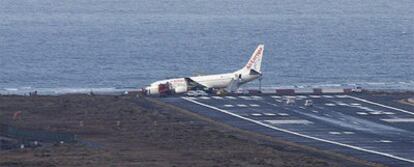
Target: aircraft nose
(146,90)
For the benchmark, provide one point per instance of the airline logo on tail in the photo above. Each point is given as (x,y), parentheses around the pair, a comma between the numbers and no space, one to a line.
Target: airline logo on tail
(255,60)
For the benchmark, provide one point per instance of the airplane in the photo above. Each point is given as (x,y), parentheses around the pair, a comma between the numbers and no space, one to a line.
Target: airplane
(227,81)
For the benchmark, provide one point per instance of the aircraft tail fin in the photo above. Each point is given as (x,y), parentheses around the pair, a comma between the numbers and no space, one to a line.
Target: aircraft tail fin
(255,61)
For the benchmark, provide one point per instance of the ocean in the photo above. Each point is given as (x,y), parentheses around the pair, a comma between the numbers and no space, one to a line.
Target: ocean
(131,43)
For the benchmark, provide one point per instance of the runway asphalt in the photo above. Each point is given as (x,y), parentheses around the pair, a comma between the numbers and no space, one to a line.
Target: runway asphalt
(376,129)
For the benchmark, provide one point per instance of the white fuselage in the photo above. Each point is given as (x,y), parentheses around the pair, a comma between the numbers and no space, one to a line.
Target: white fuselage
(217,81)
(249,72)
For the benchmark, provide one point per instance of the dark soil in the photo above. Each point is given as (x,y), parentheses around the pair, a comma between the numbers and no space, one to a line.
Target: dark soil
(131,131)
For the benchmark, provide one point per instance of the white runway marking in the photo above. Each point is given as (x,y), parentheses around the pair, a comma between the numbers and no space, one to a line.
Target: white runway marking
(276,97)
(389,113)
(341,104)
(330,104)
(302,135)
(228,105)
(297,121)
(362,113)
(335,133)
(217,97)
(327,96)
(399,120)
(315,96)
(341,96)
(370,102)
(241,105)
(256,114)
(342,133)
(385,141)
(283,114)
(289,97)
(349,133)
(269,114)
(302,97)
(231,97)
(257,98)
(376,113)
(254,105)
(355,104)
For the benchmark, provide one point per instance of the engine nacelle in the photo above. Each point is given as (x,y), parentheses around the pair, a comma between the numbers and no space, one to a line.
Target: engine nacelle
(180,89)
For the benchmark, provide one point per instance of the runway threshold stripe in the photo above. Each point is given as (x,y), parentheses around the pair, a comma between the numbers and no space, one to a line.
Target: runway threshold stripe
(299,134)
(378,104)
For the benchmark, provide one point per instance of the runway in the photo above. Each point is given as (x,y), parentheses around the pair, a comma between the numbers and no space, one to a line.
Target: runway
(376,129)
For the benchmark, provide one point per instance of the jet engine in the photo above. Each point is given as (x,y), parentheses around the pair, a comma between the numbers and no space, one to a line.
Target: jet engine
(180,89)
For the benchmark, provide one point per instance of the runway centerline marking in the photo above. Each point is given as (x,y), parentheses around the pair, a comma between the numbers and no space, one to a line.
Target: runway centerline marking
(399,120)
(378,104)
(300,134)
(291,121)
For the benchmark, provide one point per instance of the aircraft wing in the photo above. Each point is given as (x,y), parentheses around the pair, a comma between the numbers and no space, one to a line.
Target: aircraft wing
(193,85)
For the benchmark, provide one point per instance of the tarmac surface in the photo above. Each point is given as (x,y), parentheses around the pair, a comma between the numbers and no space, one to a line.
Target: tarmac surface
(376,128)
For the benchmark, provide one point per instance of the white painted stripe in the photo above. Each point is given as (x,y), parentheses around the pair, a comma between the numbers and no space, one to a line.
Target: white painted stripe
(276,97)
(349,133)
(231,97)
(289,97)
(256,114)
(302,97)
(327,96)
(241,105)
(389,113)
(257,97)
(341,103)
(362,113)
(228,105)
(370,102)
(315,96)
(330,104)
(269,114)
(292,121)
(302,135)
(335,133)
(341,96)
(254,105)
(385,141)
(283,114)
(217,97)
(396,120)
(355,104)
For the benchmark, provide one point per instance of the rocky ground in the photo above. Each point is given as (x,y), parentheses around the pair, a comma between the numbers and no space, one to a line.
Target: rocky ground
(131,131)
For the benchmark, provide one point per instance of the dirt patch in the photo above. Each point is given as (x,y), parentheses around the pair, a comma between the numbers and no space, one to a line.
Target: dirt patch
(140,132)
